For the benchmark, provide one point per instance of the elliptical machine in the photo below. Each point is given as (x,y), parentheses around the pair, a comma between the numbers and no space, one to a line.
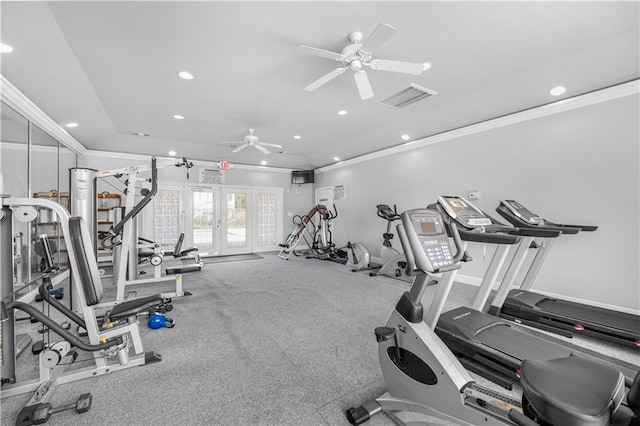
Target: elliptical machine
(354,255)
(426,384)
(394,263)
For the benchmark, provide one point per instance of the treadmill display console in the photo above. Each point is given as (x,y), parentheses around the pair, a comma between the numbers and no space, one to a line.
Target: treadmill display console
(428,239)
(520,211)
(463,212)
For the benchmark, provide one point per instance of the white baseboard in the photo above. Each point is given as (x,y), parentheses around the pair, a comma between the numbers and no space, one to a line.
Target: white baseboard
(475,281)
(467,279)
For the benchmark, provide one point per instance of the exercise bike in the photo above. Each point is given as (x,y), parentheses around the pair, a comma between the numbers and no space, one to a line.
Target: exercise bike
(393,262)
(426,384)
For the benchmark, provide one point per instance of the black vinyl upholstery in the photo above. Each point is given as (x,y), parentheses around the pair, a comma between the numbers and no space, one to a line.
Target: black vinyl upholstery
(572,391)
(87,267)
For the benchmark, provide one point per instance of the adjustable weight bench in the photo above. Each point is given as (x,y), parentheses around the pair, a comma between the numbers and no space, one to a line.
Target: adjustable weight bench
(191,253)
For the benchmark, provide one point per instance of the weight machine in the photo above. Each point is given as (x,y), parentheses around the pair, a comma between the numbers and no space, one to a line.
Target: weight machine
(123,238)
(113,337)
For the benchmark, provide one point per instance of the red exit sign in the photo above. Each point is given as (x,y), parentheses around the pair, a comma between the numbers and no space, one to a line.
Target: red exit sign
(225,165)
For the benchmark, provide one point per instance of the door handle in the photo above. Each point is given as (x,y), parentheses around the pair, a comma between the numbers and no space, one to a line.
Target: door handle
(218,224)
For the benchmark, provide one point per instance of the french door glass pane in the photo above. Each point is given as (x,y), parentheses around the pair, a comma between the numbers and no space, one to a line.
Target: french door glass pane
(236,220)
(266,219)
(166,205)
(203,220)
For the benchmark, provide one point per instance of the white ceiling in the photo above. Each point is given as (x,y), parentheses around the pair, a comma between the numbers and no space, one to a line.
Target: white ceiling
(111,67)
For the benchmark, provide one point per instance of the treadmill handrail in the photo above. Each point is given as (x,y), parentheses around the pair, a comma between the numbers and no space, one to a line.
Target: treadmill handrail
(563,228)
(496,233)
(536,232)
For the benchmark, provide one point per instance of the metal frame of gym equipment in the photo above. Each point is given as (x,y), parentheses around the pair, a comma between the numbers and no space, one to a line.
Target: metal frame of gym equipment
(303,226)
(393,262)
(115,347)
(522,304)
(486,344)
(427,385)
(355,256)
(125,254)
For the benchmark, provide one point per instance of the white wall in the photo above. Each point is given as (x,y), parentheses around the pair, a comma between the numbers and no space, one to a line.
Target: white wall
(578,166)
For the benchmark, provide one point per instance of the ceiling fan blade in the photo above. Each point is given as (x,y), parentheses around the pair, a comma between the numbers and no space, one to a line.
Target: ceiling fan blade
(240,148)
(364,87)
(230,142)
(274,145)
(378,37)
(321,53)
(262,149)
(324,79)
(397,66)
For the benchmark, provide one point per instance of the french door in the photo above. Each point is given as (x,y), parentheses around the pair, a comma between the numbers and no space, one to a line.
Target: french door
(224,221)
(236,236)
(206,222)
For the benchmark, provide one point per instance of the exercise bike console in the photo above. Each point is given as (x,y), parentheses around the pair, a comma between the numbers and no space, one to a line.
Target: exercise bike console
(428,239)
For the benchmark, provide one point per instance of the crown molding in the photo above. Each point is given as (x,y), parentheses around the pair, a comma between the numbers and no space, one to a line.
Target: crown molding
(576,102)
(200,163)
(17,100)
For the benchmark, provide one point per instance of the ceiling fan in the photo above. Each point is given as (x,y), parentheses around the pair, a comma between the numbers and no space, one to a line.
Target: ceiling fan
(251,140)
(359,54)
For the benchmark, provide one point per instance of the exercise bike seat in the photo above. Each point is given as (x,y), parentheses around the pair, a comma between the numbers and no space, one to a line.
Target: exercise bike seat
(572,391)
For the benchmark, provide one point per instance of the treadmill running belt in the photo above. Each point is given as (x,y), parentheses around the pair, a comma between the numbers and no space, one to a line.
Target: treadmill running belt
(591,314)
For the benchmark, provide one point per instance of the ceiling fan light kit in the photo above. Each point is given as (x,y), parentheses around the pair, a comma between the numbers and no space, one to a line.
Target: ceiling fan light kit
(359,54)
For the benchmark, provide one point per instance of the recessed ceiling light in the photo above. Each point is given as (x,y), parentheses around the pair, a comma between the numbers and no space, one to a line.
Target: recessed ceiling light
(5,48)
(342,112)
(178,117)
(71,125)
(557,91)
(297,137)
(336,159)
(426,66)
(186,75)
(172,153)
(405,137)
(143,134)
(263,163)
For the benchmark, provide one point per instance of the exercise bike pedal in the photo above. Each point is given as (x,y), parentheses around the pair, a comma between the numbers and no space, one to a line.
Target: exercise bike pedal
(384,333)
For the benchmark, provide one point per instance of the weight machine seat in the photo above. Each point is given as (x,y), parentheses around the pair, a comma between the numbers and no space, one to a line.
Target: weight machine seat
(132,307)
(178,252)
(90,276)
(572,391)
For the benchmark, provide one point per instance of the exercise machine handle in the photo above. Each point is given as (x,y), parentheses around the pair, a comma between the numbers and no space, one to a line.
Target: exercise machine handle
(142,204)
(58,329)
(411,268)
(457,241)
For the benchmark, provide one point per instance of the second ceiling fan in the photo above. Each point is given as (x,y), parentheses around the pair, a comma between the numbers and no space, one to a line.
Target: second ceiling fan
(252,140)
(357,55)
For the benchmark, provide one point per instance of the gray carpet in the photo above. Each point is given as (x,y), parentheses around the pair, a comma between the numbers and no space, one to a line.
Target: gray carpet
(260,342)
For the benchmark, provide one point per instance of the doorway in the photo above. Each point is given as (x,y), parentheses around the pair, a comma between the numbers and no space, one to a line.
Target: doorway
(220,221)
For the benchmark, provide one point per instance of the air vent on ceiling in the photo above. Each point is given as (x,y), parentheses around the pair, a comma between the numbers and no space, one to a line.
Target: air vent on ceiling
(140,134)
(405,97)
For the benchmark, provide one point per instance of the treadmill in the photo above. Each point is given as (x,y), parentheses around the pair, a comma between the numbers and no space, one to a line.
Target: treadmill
(553,314)
(485,344)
